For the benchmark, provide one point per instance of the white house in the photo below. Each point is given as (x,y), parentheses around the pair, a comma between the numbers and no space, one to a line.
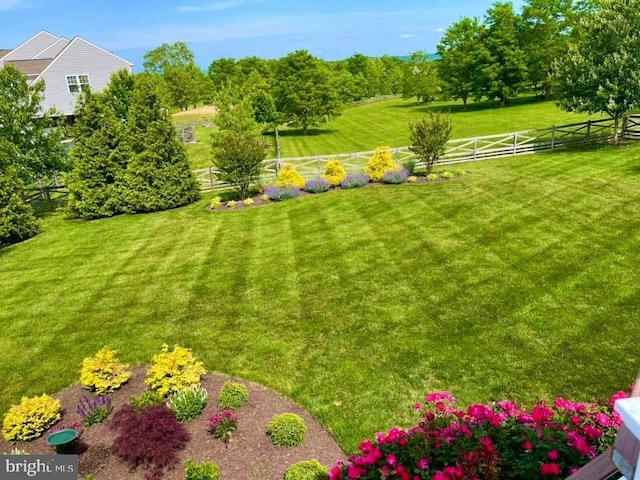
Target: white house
(66,66)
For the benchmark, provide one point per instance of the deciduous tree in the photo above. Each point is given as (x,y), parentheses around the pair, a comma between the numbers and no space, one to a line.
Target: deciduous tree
(304,92)
(429,137)
(600,71)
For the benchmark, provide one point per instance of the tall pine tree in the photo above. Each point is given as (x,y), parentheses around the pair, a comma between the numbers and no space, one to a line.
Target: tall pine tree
(99,158)
(158,174)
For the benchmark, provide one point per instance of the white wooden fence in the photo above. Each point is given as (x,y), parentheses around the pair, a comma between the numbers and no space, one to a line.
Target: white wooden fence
(458,150)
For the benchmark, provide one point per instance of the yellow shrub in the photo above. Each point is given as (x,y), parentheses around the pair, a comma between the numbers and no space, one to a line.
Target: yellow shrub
(381,161)
(175,371)
(30,418)
(289,177)
(103,373)
(334,173)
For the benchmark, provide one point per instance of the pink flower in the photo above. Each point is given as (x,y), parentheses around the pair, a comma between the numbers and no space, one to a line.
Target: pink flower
(418,406)
(551,469)
(354,472)
(553,454)
(438,396)
(423,463)
(603,420)
(541,413)
(392,460)
(527,446)
(440,476)
(335,473)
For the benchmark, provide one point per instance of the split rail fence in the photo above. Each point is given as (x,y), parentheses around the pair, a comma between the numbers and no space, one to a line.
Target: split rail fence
(458,150)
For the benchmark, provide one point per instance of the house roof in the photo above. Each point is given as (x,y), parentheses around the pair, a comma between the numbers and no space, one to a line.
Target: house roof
(30,67)
(5,51)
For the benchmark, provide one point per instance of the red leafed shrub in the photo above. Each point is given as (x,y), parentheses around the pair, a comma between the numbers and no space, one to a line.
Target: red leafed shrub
(150,437)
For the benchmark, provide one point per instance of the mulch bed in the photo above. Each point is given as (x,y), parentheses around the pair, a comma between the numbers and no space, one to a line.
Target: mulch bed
(249,456)
(258,201)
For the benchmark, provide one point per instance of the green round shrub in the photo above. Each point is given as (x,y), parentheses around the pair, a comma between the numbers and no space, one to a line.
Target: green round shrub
(201,471)
(307,470)
(232,396)
(287,430)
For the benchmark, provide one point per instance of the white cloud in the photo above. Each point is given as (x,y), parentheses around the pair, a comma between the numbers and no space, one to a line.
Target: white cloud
(208,7)
(8,4)
(440,30)
(407,35)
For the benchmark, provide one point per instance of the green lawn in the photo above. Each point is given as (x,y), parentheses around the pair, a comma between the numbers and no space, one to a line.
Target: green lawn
(519,280)
(366,127)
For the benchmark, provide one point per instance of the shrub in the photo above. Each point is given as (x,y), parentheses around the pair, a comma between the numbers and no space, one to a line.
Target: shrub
(412,179)
(151,437)
(447,175)
(30,418)
(500,440)
(231,203)
(395,176)
(103,373)
(432,177)
(317,185)
(429,138)
(216,202)
(355,180)
(306,470)
(149,398)
(334,173)
(174,371)
(409,165)
(94,412)
(287,430)
(233,396)
(277,194)
(238,158)
(188,404)
(288,176)
(248,202)
(381,161)
(265,197)
(223,424)
(201,471)
(460,172)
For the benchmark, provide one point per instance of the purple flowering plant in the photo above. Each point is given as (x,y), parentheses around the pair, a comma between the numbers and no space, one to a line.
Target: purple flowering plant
(277,194)
(396,177)
(317,185)
(355,180)
(94,411)
(222,425)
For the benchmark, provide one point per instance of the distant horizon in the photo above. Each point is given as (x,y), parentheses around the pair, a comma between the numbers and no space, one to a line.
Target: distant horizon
(330,30)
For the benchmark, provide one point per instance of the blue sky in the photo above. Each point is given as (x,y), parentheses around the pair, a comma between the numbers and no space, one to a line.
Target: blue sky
(330,29)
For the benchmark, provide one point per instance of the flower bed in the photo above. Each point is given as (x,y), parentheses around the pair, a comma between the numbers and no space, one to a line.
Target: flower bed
(496,441)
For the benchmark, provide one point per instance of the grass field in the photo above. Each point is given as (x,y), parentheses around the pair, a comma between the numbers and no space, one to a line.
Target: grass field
(366,127)
(519,280)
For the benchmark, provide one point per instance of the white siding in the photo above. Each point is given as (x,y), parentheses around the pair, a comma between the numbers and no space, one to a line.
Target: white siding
(53,50)
(79,58)
(32,47)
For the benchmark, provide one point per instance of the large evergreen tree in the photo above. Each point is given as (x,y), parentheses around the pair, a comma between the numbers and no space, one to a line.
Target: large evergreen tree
(17,218)
(158,174)
(99,158)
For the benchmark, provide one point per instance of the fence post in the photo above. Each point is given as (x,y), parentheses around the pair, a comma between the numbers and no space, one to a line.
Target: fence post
(553,137)
(318,164)
(211,178)
(515,143)
(625,124)
(588,131)
(475,148)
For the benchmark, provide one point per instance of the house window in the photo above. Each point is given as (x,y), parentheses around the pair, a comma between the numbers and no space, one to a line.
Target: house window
(78,83)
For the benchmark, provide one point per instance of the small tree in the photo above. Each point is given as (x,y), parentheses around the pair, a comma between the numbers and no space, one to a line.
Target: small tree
(238,158)
(429,138)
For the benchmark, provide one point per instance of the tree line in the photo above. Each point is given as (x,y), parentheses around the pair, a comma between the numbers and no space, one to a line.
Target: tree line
(127,158)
